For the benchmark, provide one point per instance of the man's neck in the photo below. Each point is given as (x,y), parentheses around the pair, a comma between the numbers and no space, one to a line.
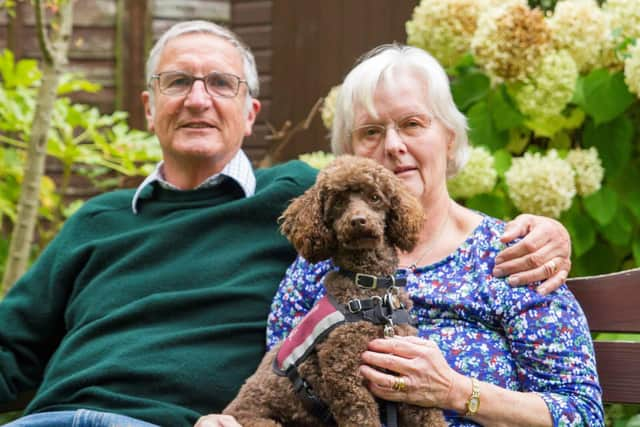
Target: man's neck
(187,176)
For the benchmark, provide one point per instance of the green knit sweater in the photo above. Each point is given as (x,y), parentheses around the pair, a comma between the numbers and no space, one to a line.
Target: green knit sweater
(160,315)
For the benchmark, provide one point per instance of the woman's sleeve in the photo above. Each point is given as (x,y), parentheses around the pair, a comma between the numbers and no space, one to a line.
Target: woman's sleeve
(551,343)
(299,290)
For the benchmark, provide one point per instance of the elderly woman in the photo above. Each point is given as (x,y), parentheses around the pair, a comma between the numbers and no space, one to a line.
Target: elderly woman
(488,353)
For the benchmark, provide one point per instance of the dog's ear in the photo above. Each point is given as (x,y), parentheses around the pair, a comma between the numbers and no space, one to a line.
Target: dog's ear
(405,218)
(303,224)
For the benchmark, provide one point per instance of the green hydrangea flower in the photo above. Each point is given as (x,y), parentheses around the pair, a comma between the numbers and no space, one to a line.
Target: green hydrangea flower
(329,107)
(478,175)
(624,16)
(632,69)
(444,27)
(550,88)
(510,40)
(581,28)
(317,159)
(588,169)
(541,184)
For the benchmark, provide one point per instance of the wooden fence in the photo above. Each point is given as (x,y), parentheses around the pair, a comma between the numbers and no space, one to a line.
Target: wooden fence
(302,49)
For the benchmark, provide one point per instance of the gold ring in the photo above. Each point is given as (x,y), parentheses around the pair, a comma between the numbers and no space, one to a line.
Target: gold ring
(552,266)
(399,384)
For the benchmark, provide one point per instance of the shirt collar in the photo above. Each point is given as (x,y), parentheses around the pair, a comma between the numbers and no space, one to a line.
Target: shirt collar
(239,169)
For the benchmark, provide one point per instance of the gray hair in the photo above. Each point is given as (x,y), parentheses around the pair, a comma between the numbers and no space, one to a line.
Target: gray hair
(205,27)
(379,64)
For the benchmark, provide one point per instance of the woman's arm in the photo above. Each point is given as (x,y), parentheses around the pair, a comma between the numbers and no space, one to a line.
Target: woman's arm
(431,382)
(544,254)
(553,353)
(298,291)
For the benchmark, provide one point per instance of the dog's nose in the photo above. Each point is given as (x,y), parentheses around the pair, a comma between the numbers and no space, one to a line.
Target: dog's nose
(358,220)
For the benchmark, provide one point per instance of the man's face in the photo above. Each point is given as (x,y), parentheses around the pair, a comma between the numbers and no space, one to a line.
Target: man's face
(198,128)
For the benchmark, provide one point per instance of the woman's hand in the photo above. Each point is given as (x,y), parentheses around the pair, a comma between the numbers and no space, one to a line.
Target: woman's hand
(419,373)
(544,254)
(217,420)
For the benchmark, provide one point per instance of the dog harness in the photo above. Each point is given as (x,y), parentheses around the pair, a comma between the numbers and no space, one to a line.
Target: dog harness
(325,316)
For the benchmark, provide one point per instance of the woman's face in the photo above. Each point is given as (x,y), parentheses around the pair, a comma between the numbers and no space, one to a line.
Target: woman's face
(415,145)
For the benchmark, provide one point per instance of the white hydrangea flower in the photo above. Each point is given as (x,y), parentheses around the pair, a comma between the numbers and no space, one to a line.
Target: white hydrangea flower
(550,87)
(478,175)
(580,27)
(510,40)
(329,107)
(632,69)
(317,159)
(588,169)
(444,27)
(542,185)
(625,16)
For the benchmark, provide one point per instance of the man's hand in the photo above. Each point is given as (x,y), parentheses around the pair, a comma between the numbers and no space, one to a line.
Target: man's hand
(543,255)
(217,420)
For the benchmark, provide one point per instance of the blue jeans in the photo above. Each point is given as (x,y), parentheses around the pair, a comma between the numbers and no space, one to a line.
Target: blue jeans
(79,418)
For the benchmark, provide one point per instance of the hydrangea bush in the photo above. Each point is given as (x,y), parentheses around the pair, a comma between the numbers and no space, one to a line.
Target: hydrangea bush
(552,99)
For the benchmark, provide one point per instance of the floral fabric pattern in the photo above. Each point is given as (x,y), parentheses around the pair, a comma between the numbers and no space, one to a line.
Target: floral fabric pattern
(511,337)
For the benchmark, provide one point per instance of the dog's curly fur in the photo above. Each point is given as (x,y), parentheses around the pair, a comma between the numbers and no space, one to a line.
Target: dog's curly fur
(357,213)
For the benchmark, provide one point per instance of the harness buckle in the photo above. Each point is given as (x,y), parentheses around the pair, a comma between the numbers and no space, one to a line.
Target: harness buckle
(355,306)
(367,281)
(388,331)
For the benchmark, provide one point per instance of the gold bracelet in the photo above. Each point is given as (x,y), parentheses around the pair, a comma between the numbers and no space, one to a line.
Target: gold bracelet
(473,403)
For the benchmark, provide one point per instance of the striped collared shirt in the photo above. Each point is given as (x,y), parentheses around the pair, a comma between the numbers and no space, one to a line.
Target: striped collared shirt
(239,169)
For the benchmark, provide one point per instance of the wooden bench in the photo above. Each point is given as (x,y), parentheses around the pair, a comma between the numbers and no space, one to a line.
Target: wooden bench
(611,303)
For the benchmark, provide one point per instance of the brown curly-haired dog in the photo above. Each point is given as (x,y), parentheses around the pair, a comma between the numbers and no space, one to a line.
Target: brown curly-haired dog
(358,213)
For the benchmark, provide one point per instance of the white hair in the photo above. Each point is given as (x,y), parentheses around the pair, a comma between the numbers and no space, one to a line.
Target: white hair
(379,65)
(205,27)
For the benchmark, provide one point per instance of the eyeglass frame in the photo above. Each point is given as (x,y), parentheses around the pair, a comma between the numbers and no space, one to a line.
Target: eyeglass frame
(194,79)
(426,122)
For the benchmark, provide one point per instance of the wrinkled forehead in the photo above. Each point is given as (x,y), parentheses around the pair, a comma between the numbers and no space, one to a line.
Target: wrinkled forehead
(377,90)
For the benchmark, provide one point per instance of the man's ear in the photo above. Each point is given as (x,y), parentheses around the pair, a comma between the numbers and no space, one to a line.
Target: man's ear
(254,109)
(146,102)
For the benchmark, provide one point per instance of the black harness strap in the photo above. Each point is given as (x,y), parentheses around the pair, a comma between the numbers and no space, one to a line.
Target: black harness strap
(369,281)
(309,399)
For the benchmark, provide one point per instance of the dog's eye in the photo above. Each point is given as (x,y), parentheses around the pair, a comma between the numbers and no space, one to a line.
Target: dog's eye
(375,198)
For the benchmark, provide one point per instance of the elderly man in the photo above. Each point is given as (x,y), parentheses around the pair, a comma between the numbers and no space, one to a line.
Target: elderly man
(151,304)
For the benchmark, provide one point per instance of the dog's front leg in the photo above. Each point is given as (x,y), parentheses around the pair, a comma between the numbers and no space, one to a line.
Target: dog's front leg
(343,389)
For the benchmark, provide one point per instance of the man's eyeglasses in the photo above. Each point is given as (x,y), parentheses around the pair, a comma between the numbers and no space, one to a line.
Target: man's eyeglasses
(179,83)
(407,128)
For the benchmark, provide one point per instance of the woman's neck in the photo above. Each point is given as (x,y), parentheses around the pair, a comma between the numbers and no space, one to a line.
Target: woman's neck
(445,228)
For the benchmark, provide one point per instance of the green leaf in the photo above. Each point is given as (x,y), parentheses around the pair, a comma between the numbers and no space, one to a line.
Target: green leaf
(581,229)
(490,204)
(603,95)
(600,259)
(519,139)
(503,111)
(632,201)
(635,246)
(482,131)
(560,141)
(502,161)
(614,141)
(602,205)
(469,88)
(618,231)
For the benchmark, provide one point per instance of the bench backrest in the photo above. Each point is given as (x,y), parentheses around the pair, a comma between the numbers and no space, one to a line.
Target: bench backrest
(611,303)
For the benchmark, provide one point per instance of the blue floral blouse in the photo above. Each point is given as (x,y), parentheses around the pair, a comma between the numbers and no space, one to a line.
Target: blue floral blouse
(511,337)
